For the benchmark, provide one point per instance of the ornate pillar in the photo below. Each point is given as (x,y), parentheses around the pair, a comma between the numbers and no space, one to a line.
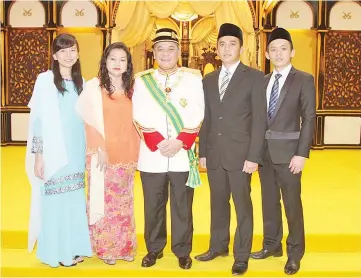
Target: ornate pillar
(4,115)
(185,43)
(320,78)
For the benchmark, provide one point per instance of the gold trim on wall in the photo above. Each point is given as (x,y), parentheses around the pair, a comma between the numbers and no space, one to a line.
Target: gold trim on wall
(318,67)
(6,53)
(353,147)
(55,16)
(318,141)
(339,112)
(4,134)
(3,49)
(319,19)
(15,109)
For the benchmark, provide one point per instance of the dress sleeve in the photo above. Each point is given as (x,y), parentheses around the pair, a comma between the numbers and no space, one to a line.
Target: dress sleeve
(37,141)
(94,139)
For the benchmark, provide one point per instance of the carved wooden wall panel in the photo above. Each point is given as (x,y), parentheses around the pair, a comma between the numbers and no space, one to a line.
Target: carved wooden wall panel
(342,86)
(28,56)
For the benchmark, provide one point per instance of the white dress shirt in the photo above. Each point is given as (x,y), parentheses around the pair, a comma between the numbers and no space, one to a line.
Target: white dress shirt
(281,81)
(231,70)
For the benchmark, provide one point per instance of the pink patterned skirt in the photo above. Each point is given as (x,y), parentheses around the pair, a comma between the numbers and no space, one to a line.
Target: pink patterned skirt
(113,237)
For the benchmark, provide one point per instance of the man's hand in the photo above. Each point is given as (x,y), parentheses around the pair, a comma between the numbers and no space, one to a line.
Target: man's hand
(297,163)
(249,167)
(170,147)
(163,144)
(203,162)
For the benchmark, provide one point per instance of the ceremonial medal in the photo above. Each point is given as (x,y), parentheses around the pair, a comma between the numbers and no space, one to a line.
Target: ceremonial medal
(183,102)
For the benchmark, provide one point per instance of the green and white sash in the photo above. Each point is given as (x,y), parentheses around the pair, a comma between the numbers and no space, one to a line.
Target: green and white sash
(194,178)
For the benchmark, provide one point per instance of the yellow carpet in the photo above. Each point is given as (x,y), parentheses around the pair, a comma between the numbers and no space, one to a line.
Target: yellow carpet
(331,196)
(19,263)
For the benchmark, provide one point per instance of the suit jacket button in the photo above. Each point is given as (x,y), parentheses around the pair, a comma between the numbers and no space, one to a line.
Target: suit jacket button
(220,118)
(219,134)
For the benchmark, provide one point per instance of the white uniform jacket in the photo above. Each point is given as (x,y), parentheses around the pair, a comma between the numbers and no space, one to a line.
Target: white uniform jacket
(186,94)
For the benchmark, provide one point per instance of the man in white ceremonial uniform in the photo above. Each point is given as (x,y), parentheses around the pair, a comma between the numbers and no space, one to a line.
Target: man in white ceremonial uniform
(168,110)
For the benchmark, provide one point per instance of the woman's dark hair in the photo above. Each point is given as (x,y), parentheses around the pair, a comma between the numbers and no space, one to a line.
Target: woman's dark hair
(64,41)
(127,76)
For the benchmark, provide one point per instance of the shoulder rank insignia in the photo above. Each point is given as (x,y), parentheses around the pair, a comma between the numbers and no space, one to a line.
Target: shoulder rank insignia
(139,74)
(193,71)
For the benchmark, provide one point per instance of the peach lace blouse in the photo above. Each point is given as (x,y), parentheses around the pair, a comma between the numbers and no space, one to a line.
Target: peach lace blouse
(122,140)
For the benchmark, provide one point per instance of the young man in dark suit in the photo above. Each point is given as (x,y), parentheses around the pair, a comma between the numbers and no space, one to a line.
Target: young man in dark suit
(291,106)
(231,143)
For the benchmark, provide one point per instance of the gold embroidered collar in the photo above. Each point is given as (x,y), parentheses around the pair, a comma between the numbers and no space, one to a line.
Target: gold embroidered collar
(173,71)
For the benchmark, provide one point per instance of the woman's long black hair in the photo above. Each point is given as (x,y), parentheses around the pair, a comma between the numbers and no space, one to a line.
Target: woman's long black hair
(63,41)
(127,76)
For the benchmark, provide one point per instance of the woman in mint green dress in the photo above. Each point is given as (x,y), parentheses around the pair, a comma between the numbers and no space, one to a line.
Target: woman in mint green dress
(56,161)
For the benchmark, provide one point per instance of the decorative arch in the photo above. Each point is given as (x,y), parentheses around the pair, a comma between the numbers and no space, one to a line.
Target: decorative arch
(203,30)
(294,15)
(26,14)
(203,44)
(115,11)
(79,14)
(345,15)
(253,12)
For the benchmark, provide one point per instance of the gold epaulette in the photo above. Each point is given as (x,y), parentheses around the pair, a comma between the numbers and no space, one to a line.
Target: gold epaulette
(139,74)
(193,71)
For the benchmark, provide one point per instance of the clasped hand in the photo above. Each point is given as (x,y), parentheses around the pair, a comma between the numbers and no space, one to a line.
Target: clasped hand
(170,147)
(250,167)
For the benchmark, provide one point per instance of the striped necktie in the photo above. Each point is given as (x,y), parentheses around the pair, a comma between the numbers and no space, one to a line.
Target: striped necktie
(224,84)
(273,97)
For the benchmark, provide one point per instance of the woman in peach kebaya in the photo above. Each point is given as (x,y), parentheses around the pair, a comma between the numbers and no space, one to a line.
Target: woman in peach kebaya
(112,155)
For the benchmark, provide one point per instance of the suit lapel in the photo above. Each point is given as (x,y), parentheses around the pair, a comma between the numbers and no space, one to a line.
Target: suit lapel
(266,80)
(215,84)
(284,90)
(236,79)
